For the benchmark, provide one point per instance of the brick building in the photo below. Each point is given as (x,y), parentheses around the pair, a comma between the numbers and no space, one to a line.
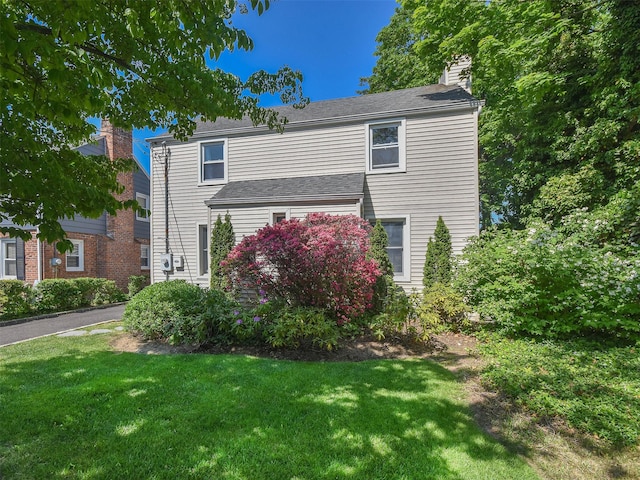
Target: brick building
(111,246)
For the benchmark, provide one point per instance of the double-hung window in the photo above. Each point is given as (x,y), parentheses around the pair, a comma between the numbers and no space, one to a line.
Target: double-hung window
(203,250)
(143,202)
(75,258)
(213,162)
(145,262)
(398,247)
(386,147)
(8,258)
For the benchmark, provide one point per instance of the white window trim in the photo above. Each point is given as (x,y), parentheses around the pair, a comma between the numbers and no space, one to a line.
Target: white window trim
(80,267)
(3,242)
(147,203)
(199,251)
(275,211)
(402,149)
(225,159)
(406,244)
(148,249)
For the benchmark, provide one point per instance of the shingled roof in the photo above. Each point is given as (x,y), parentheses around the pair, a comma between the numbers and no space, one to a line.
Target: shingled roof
(348,186)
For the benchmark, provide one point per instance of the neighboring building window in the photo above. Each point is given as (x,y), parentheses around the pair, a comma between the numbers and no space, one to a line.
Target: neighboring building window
(203,250)
(75,258)
(398,248)
(145,251)
(385,147)
(143,201)
(8,259)
(213,165)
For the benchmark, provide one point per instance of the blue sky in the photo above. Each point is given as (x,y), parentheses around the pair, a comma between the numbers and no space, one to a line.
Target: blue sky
(330,41)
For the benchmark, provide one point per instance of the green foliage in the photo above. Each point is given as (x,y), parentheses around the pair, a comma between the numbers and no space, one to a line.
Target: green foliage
(137,283)
(222,242)
(123,61)
(437,263)
(58,295)
(441,308)
(550,284)
(593,385)
(15,299)
(295,327)
(396,316)
(180,313)
(379,241)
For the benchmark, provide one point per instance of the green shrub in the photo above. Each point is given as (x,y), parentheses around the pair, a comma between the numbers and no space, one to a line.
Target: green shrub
(15,299)
(107,292)
(384,283)
(441,308)
(396,315)
(57,295)
(179,313)
(137,283)
(545,283)
(222,242)
(294,327)
(437,262)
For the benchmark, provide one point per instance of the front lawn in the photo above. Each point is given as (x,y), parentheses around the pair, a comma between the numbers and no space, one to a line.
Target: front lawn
(73,408)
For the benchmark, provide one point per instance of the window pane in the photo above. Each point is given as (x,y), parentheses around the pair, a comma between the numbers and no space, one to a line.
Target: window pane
(10,250)
(212,152)
(73,262)
(394,232)
(385,157)
(204,250)
(10,268)
(213,171)
(384,135)
(395,255)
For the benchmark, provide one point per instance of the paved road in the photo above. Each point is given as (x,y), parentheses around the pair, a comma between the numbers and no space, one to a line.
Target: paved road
(68,321)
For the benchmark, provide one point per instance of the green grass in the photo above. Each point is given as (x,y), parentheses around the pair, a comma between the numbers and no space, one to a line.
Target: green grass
(72,408)
(594,386)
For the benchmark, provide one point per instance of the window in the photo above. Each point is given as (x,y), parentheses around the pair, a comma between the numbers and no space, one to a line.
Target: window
(213,165)
(143,201)
(278,216)
(398,248)
(145,251)
(203,250)
(8,259)
(75,258)
(385,147)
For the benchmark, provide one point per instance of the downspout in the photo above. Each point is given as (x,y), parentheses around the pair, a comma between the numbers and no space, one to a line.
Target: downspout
(40,256)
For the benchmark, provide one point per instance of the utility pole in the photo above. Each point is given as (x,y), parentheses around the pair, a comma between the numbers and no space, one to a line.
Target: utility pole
(166,153)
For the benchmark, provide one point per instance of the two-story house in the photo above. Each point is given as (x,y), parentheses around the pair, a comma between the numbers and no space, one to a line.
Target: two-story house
(404,157)
(111,246)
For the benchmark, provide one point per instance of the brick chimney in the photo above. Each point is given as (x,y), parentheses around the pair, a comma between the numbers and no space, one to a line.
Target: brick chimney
(121,250)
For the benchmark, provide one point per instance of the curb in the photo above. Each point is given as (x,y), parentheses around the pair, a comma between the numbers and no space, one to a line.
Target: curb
(18,321)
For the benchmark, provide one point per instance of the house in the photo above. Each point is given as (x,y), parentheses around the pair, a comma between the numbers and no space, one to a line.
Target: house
(404,157)
(111,246)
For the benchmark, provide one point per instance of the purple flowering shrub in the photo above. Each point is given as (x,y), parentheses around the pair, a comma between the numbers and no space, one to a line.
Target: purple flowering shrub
(318,262)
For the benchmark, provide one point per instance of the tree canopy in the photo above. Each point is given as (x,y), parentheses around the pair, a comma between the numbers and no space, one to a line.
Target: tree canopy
(137,63)
(561,79)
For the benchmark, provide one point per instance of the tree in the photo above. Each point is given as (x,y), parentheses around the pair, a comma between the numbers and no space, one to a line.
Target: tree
(222,242)
(398,65)
(137,63)
(437,263)
(561,82)
(379,241)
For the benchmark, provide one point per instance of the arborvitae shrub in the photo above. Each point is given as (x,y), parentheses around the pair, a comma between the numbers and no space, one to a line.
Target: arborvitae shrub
(222,242)
(379,243)
(437,265)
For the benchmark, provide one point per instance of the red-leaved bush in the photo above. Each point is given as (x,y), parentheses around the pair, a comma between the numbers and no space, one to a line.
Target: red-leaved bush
(317,262)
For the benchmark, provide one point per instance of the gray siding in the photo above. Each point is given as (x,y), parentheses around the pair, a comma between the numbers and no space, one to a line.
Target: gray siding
(141,184)
(79,224)
(440,179)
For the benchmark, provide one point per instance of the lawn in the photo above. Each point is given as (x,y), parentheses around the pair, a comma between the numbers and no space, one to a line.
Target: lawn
(73,408)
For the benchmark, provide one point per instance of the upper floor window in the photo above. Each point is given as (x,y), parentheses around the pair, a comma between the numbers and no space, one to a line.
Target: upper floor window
(143,202)
(75,258)
(386,147)
(213,162)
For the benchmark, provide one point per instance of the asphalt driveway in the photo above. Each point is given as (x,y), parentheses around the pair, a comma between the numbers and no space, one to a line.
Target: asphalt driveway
(48,326)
